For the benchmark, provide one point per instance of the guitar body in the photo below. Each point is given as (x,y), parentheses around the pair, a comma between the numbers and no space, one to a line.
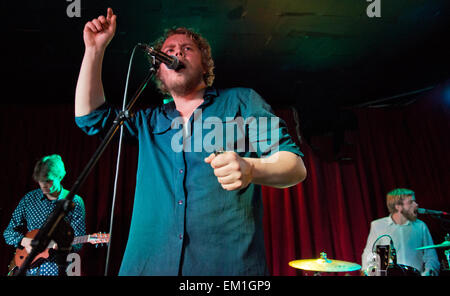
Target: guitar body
(12,268)
(21,253)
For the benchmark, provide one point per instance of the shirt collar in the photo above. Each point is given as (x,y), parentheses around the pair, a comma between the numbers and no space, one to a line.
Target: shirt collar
(391,222)
(210,93)
(60,196)
(208,96)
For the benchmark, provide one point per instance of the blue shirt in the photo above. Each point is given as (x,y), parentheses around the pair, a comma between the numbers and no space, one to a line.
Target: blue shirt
(184,222)
(31,213)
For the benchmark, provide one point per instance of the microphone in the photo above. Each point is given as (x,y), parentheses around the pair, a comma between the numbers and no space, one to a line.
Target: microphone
(431,212)
(170,61)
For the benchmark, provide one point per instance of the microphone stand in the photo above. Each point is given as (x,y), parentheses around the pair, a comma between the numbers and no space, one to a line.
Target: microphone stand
(52,226)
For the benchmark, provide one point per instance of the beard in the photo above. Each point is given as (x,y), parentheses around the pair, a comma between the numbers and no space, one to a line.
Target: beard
(184,83)
(411,216)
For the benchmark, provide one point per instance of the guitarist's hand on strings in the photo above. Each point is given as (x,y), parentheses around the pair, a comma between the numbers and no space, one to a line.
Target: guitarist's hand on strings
(26,243)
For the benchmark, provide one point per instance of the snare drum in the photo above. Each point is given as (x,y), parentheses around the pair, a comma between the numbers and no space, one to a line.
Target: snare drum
(402,270)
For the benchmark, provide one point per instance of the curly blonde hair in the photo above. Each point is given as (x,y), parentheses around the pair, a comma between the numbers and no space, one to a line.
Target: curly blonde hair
(202,44)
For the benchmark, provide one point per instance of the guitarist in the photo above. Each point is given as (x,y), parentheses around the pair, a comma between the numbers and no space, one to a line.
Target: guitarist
(35,207)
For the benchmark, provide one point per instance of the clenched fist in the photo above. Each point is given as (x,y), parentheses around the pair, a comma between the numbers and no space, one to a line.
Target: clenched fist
(232,171)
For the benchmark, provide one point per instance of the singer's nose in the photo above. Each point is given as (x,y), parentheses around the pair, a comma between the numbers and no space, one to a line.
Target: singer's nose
(178,53)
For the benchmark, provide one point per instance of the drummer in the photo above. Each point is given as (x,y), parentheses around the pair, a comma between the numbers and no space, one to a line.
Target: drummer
(407,232)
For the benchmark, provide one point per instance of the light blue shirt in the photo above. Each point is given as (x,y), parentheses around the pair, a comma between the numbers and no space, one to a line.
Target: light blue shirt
(406,238)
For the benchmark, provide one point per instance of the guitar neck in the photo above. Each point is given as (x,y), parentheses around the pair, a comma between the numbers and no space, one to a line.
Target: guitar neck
(80,239)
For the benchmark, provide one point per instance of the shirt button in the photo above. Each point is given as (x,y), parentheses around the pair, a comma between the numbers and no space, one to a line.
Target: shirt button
(180,236)
(181,171)
(180,202)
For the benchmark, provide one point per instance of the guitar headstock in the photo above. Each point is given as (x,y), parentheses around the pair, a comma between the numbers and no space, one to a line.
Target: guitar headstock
(98,238)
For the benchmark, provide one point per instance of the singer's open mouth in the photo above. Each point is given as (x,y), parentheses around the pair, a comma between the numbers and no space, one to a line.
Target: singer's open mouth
(180,67)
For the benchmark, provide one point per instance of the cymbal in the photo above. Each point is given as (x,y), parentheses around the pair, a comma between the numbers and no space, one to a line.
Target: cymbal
(445,244)
(324,264)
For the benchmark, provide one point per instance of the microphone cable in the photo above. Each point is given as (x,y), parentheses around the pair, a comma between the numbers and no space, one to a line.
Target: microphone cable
(119,151)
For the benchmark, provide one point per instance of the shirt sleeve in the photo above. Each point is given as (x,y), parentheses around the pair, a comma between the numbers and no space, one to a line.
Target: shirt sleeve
(78,221)
(102,118)
(430,258)
(12,234)
(367,254)
(268,133)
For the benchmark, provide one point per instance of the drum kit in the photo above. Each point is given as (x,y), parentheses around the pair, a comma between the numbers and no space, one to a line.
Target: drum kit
(324,264)
(444,244)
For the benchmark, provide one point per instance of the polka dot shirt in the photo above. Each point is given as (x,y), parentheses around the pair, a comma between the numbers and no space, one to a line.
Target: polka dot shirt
(31,213)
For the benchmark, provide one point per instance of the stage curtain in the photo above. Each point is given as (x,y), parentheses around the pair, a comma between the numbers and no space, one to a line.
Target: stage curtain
(404,146)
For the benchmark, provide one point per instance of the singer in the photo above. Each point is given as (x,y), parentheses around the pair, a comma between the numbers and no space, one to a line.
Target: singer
(407,233)
(195,213)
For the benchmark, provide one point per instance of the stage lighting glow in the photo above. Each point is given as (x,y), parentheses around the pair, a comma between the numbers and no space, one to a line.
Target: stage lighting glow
(447,94)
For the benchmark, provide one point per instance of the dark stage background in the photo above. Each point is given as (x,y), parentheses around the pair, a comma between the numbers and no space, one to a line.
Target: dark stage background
(395,146)
(367,99)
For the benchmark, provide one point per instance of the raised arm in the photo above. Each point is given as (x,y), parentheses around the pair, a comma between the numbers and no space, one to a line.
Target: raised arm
(97,34)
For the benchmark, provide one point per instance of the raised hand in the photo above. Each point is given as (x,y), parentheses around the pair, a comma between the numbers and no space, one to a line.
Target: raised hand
(100,31)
